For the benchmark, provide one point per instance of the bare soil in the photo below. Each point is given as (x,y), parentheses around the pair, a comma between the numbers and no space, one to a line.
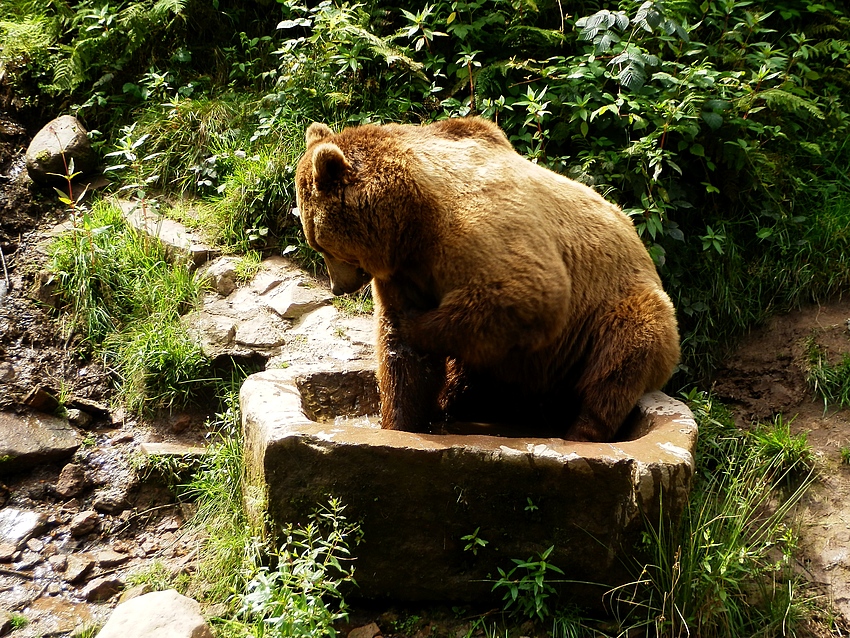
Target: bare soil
(766,378)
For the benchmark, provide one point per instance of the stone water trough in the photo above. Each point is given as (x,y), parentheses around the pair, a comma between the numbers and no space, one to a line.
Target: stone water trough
(417,496)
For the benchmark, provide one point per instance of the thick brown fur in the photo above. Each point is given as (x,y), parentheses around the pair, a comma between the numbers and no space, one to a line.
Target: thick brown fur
(488,271)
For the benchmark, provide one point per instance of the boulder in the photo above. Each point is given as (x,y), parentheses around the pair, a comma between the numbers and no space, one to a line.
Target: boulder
(63,136)
(159,614)
(420,497)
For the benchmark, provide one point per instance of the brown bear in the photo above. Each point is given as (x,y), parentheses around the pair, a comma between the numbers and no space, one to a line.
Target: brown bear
(496,281)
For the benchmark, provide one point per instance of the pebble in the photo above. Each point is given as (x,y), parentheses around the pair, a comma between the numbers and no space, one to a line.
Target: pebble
(78,566)
(59,562)
(84,523)
(7,551)
(35,545)
(108,558)
(101,589)
(72,481)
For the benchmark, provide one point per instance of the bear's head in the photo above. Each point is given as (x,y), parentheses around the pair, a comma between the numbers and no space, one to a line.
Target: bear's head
(328,206)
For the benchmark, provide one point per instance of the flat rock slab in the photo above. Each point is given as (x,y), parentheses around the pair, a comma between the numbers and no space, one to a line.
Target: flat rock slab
(418,495)
(180,243)
(27,440)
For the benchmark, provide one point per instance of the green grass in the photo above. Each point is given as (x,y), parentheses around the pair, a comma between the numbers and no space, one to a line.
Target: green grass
(829,380)
(125,299)
(727,570)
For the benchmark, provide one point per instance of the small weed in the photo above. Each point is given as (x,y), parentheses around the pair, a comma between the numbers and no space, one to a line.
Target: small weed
(18,621)
(301,597)
(248,266)
(524,588)
(340,332)
(780,450)
(474,542)
(845,454)
(87,631)
(158,576)
(830,380)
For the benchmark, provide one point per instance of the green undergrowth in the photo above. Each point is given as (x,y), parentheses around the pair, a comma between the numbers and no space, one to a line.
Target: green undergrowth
(124,299)
(728,568)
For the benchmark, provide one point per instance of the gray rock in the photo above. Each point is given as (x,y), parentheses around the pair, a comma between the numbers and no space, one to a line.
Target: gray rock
(18,526)
(221,275)
(108,558)
(78,417)
(296,298)
(261,333)
(77,566)
(63,136)
(161,614)
(418,495)
(41,399)
(111,500)
(32,439)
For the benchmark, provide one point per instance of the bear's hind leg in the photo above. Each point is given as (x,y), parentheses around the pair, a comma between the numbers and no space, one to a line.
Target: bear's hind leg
(635,351)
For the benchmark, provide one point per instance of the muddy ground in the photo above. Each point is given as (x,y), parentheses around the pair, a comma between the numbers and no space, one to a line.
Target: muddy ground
(139,524)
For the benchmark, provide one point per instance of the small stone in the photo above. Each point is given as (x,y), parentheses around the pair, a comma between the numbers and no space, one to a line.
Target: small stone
(110,501)
(78,566)
(59,562)
(367,631)
(84,523)
(7,551)
(101,589)
(41,399)
(17,526)
(122,437)
(54,589)
(108,558)
(7,372)
(35,545)
(27,560)
(72,481)
(134,592)
(78,417)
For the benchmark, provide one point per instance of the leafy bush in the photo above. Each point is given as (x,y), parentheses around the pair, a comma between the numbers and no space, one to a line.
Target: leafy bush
(302,596)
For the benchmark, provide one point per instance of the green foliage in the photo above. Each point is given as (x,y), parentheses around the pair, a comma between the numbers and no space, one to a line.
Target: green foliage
(18,621)
(828,377)
(525,590)
(302,597)
(126,300)
(728,571)
(233,546)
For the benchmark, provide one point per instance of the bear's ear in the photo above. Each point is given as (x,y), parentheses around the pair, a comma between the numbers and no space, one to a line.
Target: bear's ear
(317,132)
(329,166)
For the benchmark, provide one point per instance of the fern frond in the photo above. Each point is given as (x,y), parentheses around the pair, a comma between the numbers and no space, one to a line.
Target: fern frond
(779,99)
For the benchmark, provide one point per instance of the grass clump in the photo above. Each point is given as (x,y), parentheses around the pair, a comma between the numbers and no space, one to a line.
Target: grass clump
(125,301)
(727,570)
(828,378)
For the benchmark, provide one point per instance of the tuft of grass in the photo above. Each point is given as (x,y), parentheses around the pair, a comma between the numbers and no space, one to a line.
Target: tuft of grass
(158,577)
(845,455)
(233,547)
(829,380)
(727,570)
(358,303)
(18,621)
(783,452)
(126,300)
